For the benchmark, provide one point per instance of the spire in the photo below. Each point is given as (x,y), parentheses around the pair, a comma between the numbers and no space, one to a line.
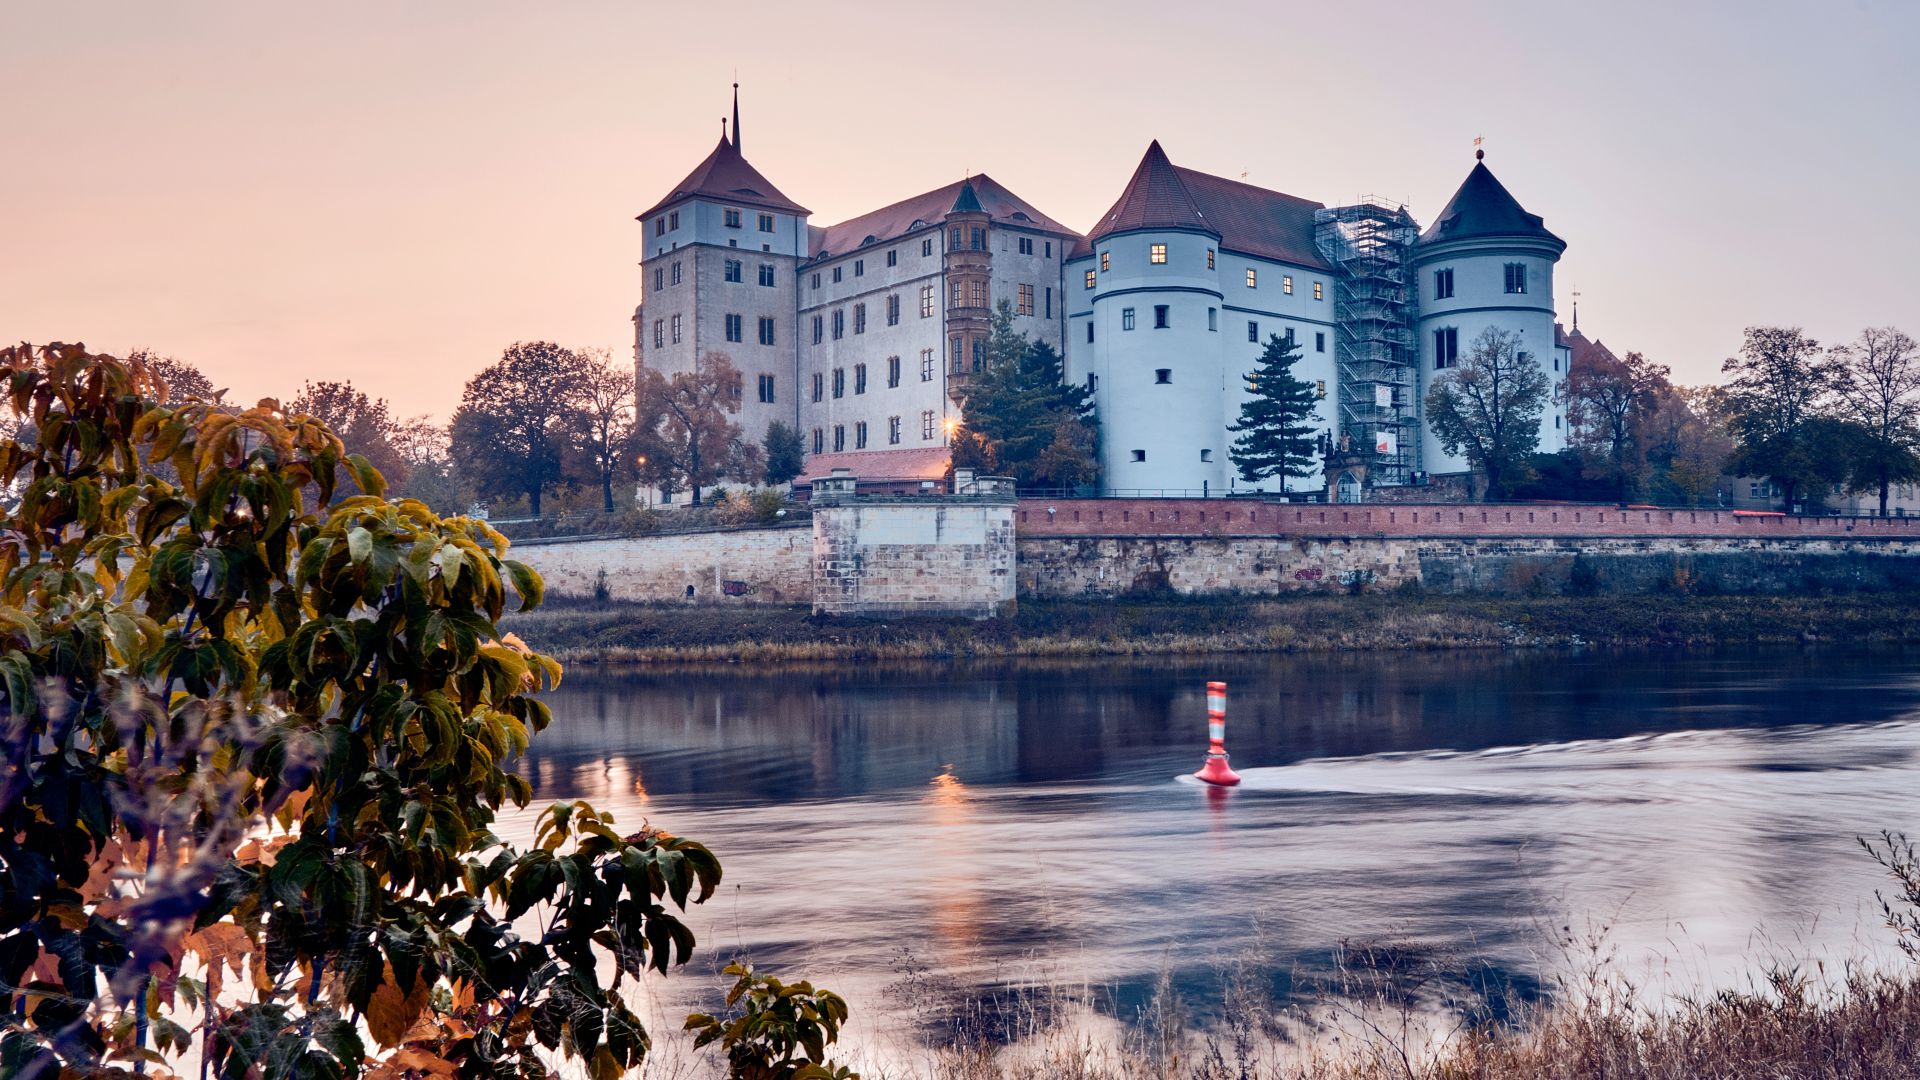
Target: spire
(1483,207)
(967,202)
(1156,198)
(736,116)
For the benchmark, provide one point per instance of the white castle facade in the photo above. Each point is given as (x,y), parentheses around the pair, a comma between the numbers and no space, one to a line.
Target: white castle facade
(864,335)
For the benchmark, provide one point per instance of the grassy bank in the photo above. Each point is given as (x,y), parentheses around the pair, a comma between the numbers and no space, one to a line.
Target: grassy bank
(586,631)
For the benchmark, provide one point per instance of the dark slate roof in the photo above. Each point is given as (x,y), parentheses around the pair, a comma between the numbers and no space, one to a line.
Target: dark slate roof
(967,202)
(1484,207)
(1247,219)
(726,176)
(930,208)
(1588,350)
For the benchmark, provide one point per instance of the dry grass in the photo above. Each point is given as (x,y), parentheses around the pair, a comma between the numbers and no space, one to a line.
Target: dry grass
(585,631)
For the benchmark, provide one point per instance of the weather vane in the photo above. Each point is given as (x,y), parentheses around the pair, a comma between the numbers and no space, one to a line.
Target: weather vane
(1479,154)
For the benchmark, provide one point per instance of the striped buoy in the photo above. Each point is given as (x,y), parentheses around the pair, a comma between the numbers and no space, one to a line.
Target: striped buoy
(1215,771)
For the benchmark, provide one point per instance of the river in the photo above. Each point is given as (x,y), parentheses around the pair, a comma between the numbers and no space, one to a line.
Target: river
(1007,824)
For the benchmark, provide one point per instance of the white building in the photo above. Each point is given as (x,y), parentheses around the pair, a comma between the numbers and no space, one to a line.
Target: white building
(863,335)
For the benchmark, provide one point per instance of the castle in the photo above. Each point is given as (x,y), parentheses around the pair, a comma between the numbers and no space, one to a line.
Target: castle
(864,335)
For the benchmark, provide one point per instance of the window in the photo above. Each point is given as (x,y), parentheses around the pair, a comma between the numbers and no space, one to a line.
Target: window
(979,240)
(1556,422)
(839,382)
(731,217)
(1206,455)
(816,279)
(1139,455)
(977,294)
(1209,258)
(1049,314)
(1288,337)
(1093,382)
(839,323)
(766,389)
(1126,318)
(1556,361)
(1157,254)
(859,378)
(979,354)
(860,435)
(1090,279)
(1253,331)
(1516,277)
(893,372)
(836,274)
(859,268)
(1163,376)
(676,329)
(839,437)
(1106,261)
(1286,284)
(893,431)
(926,424)
(676,272)
(766,222)
(1443,284)
(1319,291)
(1213,319)
(893,257)
(1446,348)
(732,270)
(1320,388)
(660,226)
(1253,279)
(1026,245)
(659,278)
(659,332)
(734,332)
(893,309)
(926,365)
(766,274)
(1024,306)
(859,318)
(673,221)
(926,301)
(1319,341)
(819,440)
(1049,249)
(819,381)
(816,334)
(1159,316)
(766,331)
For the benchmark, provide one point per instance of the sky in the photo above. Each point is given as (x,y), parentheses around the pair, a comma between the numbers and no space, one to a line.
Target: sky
(393,193)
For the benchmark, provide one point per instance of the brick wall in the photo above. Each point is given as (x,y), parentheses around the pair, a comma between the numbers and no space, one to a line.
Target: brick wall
(1240,517)
(740,566)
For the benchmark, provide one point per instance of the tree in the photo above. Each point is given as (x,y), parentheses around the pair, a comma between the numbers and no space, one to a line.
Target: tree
(1779,385)
(1276,438)
(1610,405)
(1488,407)
(363,422)
(433,477)
(1023,419)
(606,417)
(684,431)
(1687,443)
(1878,383)
(256,741)
(786,453)
(518,421)
(184,382)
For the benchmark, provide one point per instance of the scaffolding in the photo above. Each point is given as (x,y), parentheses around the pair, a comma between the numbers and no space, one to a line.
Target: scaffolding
(1371,246)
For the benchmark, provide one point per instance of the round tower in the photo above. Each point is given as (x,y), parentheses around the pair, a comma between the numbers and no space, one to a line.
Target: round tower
(969,276)
(1486,262)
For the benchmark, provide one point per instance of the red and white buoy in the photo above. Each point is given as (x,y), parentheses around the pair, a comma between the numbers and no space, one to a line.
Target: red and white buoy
(1215,771)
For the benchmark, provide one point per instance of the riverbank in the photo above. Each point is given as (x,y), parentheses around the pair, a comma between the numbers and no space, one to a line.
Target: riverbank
(584,631)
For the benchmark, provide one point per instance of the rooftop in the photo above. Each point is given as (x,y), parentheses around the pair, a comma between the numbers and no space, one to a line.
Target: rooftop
(1483,207)
(727,176)
(1248,219)
(929,208)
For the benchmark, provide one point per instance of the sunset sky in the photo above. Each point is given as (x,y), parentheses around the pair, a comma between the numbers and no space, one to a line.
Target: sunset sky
(391,193)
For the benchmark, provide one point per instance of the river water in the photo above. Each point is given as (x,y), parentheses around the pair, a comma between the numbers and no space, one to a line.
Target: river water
(1030,822)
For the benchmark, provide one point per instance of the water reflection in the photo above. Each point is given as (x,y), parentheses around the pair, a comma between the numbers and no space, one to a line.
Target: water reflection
(985,816)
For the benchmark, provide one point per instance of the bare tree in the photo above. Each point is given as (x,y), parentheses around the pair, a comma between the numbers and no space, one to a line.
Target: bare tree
(607,397)
(1878,383)
(1488,406)
(683,427)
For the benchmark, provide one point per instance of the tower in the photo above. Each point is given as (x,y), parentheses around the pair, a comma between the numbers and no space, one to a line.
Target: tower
(969,275)
(1487,262)
(719,275)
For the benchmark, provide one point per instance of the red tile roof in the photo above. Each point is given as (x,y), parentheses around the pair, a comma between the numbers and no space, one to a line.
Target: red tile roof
(726,175)
(1588,350)
(1484,207)
(928,208)
(922,463)
(1247,219)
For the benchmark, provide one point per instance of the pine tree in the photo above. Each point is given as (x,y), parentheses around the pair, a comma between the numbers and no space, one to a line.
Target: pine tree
(1023,419)
(1276,438)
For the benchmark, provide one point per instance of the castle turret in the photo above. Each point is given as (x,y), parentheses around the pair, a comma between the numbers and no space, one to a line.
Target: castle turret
(969,267)
(1487,262)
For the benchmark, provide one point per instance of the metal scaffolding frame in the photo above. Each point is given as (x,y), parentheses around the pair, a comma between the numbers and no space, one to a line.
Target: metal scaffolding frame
(1371,246)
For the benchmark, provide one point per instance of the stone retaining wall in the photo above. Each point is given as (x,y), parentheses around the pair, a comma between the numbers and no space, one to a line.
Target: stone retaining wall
(736,566)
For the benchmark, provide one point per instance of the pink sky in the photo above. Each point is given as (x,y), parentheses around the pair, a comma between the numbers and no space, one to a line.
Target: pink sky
(393,193)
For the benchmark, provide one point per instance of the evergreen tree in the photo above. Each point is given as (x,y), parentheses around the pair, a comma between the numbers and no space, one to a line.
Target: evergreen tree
(786,453)
(1023,419)
(1276,438)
